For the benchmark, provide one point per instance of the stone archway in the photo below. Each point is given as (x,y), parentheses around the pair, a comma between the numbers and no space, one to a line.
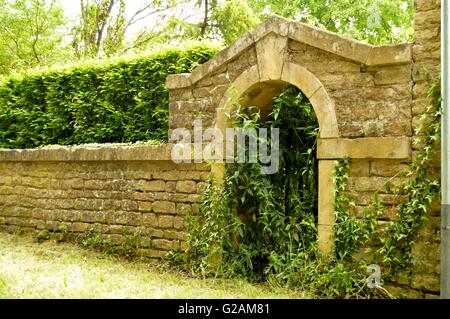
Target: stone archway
(361,94)
(249,82)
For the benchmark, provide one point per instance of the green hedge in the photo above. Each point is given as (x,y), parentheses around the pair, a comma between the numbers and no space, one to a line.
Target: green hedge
(115,102)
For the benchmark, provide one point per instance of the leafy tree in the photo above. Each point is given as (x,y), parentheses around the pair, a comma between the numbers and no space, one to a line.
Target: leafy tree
(103,25)
(100,27)
(376,21)
(220,20)
(234,18)
(29,33)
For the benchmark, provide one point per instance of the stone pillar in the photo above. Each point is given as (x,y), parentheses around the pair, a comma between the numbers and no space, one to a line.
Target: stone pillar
(326,207)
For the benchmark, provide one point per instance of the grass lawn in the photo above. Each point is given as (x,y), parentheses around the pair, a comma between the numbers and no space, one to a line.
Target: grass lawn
(49,270)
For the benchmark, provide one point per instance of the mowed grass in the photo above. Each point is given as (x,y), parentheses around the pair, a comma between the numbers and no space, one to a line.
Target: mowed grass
(50,270)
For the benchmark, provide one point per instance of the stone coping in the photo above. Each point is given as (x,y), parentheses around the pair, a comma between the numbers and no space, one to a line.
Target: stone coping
(343,46)
(333,148)
(106,152)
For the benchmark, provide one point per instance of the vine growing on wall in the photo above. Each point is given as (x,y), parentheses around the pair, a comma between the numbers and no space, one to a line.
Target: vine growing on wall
(393,244)
(423,187)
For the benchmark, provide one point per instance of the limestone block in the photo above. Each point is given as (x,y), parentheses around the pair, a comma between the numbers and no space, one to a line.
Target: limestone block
(177,81)
(183,208)
(429,282)
(390,54)
(149,220)
(425,5)
(162,244)
(165,221)
(376,147)
(423,19)
(179,223)
(325,110)
(301,78)
(186,187)
(170,187)
(393,75)
(326,207)
(154,186)
(387,168)
(164,207)
(330,42)
(145,206)
(271,51)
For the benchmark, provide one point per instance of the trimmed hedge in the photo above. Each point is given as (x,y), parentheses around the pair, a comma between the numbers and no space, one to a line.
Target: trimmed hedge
(118,102)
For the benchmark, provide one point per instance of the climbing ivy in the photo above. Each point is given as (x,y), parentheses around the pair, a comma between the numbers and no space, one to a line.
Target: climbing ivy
(423,187)
(395,241)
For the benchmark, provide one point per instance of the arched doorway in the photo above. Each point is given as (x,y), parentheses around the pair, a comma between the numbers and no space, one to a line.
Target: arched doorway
(248,89)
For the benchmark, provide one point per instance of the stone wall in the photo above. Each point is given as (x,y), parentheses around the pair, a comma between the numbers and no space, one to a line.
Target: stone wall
(368,100)
(426,72)
(116,190)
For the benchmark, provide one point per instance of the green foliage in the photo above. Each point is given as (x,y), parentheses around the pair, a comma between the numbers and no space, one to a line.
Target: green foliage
(42,235)
(91,238)
(101,28)
(128,247)
(375,21)
(29,34)
(234,18)
(124,101)
(276,214)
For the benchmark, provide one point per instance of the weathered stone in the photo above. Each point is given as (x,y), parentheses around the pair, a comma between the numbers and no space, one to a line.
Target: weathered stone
(164,207)
(393,75)
(154,186)
(387,168)
(179,223)
(145,206)
(428,282)
(149,220)
(170,234)
(178,81)
(326,207)
(380,147)
(162,244)
(80,227)
(423,19)
(371,184)
(171,187)
(390,54)
(271,51)
(330,42)
(426,5)
(201,187)
(165,221)
(183,209)
(186,187)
